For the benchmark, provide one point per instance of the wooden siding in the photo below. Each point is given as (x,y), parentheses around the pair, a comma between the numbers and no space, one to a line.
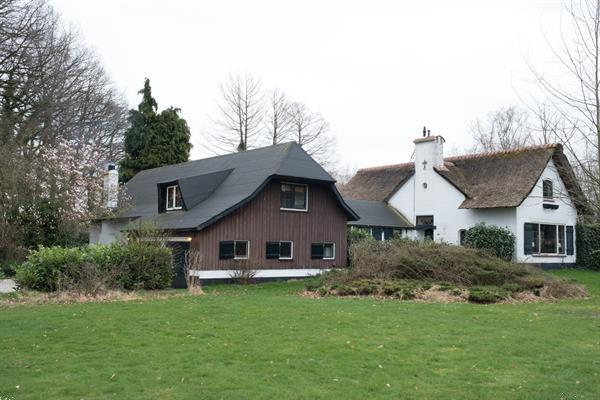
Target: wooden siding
(262,221)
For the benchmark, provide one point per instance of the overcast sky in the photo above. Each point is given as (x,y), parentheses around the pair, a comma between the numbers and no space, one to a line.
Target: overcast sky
(377,70)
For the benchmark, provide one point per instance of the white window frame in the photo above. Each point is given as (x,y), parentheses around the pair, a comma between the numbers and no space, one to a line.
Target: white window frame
(247,256)
(548,199)
(305,209)
(557,254)
(292,250)
(333,246)
(174,195)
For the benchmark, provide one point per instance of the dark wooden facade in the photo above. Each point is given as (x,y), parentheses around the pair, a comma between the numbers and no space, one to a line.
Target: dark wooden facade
(261,221)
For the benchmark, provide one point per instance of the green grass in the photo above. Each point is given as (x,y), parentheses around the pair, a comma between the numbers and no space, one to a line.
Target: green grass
(265,342)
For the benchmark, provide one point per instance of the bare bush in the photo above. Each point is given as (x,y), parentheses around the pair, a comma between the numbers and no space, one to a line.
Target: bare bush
(192,261)
(244,273)
(90,280)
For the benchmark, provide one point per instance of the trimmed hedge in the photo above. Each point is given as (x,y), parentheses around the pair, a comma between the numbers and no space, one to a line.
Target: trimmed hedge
(500,241)
(133,266)
(588,242)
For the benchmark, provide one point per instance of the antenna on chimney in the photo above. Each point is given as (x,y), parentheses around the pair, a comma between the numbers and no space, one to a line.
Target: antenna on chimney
(428,132)
(424,131)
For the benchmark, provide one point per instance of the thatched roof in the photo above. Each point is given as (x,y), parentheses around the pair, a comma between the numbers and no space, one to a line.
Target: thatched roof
(488,180)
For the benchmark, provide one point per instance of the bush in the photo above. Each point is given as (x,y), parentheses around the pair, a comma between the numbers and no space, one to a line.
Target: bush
(487,295)
(594,262)
(588,241)
(133,266)
(500,241)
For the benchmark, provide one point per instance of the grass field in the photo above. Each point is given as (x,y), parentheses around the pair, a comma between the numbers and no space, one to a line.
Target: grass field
(265,342)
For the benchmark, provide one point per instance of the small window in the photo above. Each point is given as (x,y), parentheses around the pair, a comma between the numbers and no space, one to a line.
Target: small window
(173,198)
(280,250)
(294,197)
(236,249)
(548,190)
(323,251)
(462,237)
(425,220)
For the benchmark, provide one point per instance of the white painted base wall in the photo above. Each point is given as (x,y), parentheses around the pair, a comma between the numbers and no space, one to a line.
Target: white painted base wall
(105,232)
(261,273)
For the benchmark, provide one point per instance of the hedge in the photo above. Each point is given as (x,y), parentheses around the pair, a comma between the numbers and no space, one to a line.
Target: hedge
(588,241)
(133,266)
(500,241)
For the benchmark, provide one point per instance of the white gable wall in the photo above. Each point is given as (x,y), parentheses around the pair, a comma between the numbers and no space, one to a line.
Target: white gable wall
(532,211)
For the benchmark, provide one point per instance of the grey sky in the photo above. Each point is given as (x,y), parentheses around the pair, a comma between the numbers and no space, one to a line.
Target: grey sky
(377,70)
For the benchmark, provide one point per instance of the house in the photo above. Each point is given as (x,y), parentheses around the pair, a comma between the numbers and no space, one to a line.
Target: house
(531,191)
(274,210)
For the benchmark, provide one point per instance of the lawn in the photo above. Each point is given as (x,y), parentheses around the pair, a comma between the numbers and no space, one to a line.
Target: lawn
(265,342)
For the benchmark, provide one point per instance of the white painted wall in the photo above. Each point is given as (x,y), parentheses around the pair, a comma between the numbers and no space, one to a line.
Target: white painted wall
(106,231)
(531,210)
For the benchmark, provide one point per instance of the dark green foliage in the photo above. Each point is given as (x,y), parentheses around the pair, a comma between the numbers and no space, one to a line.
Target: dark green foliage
(356,235)
(135,266)
(500,241)
(489,294)
(588,241)
(594,262)
(154,139)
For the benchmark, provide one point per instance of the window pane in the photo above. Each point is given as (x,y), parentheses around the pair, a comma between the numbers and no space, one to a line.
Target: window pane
(285,250)
(241,249)
(328,250)
(462,236)
(547,189)
(561,240)
(424,219)
(548,240)
(178,202)
(293,196)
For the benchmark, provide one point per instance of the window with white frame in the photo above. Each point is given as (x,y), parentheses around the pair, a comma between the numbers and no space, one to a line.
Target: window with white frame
(234,249)
(548,239)
(173,198)
(294,197)
(548,190)
(283,250)
(322,251)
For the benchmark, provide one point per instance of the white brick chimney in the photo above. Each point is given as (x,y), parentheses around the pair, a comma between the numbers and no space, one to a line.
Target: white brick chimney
(429,152)
(111,184)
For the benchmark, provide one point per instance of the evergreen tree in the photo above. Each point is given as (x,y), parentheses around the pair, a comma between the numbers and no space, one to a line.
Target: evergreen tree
(154,139)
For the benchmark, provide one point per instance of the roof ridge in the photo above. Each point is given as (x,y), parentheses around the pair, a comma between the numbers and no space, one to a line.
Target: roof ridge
(218,156)
(381,167)
(499,152)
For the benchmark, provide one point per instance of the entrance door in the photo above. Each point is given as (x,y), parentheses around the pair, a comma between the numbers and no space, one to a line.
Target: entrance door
(428,233)
(179,249)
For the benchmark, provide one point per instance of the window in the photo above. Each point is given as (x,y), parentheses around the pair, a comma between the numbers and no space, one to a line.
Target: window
(462,237)
(425,220)
(383,233)
(280,250)
(236,249)
(323,251)
(294,197)
(173,198)
(548,190)
(546,239)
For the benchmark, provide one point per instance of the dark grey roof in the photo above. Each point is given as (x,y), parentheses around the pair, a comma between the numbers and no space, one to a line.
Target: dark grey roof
(232,180)
(377,213)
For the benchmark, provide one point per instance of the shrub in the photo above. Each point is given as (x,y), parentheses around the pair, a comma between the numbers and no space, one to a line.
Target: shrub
(487,294)
(500,241)
(594,262)
(588,241)
(92,268)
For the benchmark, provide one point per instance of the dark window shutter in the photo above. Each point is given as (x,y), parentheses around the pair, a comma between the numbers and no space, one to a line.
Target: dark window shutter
(226,250)
(316,251)
(272,250)
(570,247)
(529,238)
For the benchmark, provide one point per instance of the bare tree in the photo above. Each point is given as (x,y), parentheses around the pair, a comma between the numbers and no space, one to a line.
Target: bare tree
(278,119)
(242,112)
(573,95)
(503,129)
(311,131)
(192,262)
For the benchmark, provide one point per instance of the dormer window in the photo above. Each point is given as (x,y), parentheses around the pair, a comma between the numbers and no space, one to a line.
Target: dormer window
(548,190)
(294,197)
(173,198)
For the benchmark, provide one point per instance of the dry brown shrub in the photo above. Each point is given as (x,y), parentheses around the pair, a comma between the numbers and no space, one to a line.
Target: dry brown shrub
(243,273)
